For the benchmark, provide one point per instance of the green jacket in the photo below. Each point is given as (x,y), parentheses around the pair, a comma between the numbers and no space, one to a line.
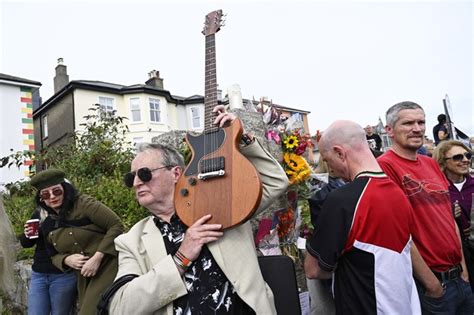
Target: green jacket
(87,239)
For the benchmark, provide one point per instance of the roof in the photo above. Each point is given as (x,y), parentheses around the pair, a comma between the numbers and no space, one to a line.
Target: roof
(11,78)
(115,89)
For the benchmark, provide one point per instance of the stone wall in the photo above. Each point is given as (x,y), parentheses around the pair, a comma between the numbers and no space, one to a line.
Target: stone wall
(13,276)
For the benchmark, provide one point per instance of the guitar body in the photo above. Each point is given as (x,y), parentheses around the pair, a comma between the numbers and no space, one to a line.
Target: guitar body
(231,198)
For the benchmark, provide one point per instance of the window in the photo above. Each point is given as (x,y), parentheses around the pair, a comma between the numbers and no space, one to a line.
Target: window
(155,114)
(45,126)
(135,109)
(107,104)
(195,116)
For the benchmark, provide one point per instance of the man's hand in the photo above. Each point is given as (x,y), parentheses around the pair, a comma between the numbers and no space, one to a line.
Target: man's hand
(467,232)
(457,209)
(222,116)
(435,291)
(92,265)
(76,261)
(199,234)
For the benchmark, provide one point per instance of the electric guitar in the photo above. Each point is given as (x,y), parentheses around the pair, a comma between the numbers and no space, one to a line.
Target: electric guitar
(218,180)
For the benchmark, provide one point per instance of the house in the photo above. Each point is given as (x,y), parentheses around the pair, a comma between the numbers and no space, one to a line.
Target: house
(18,97)
(151,110)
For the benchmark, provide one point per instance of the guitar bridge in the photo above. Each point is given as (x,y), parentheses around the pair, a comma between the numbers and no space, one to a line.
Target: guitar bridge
(211,165)
(208,175)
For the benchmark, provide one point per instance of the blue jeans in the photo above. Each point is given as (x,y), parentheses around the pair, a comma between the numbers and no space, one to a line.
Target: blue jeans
(457,299)
(53,293)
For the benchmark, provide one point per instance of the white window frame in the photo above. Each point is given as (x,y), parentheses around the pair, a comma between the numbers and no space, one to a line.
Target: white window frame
(108,108)
(195,110)
(44,122)
(135,108)
(155,111)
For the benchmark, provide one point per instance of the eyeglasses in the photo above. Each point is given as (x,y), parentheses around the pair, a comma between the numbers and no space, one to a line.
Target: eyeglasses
(144,173)
(45,195)
(459,157)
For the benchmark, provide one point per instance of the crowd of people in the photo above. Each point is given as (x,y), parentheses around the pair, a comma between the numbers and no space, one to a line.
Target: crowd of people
(392,231)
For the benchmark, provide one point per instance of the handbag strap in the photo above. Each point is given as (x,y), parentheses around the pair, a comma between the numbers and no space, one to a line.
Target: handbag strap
(103,305)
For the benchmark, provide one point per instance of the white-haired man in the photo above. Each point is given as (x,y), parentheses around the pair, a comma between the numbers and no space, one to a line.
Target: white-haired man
(190,270)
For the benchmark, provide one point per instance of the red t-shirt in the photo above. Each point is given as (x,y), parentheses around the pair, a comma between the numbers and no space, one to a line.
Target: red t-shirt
(426,187)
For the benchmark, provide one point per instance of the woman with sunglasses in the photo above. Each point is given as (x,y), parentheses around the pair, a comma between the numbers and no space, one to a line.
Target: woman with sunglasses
(454,158)
(80,231)
(51,291)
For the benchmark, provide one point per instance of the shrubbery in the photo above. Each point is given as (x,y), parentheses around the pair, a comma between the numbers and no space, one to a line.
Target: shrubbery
(94,161)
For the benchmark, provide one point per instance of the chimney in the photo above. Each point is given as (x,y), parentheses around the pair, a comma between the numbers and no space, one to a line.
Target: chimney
(61,79)
(154,79)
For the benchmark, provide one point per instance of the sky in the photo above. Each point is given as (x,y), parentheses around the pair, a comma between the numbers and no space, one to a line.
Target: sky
(338,59)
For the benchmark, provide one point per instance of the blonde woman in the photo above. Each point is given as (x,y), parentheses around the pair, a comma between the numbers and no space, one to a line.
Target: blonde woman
(454,159)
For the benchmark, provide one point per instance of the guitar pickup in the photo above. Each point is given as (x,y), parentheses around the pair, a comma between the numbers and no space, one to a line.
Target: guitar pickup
(205,176)
(211,165)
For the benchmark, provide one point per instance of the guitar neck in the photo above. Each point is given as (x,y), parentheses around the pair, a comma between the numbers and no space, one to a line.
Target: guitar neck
(210,83)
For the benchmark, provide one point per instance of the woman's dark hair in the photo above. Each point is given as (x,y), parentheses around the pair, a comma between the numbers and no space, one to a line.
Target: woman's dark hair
(70,196)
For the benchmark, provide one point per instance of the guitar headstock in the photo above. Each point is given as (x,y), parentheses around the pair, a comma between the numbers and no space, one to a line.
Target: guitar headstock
(213,22)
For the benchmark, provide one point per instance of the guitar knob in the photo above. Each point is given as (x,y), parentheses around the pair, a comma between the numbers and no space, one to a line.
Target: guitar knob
(184,192)
(192,181)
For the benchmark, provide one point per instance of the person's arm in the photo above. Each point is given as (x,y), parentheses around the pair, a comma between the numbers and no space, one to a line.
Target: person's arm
(423,274)
(443,133)
(107,220)
(326,244)
(313,270)
(272,175)
(465,273)
(150,291)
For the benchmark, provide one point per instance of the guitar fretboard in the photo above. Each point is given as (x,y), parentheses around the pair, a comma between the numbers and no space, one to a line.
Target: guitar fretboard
(210,83)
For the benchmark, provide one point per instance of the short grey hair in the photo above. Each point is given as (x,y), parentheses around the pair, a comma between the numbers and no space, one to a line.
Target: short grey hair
(170,155)
(391,116)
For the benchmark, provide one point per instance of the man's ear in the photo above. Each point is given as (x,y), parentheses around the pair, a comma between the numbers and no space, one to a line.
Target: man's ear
(339,152)
(389,131)
(177,172)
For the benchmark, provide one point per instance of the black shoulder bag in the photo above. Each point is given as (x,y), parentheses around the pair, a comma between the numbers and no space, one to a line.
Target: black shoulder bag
(103,306)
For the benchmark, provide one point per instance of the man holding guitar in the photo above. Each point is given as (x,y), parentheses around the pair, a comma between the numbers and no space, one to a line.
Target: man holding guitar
(175,269)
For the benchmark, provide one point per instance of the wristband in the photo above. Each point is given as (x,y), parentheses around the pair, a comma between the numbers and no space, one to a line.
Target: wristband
(182,259)
(178,263)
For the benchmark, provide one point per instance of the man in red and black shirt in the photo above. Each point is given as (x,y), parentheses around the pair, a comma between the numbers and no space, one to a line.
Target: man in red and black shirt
(438,262)
(363,232)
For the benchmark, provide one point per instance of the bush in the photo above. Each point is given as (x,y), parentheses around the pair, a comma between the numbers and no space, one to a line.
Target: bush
(94,162)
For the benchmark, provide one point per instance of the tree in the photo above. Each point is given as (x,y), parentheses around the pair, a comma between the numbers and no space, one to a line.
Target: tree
(94,162)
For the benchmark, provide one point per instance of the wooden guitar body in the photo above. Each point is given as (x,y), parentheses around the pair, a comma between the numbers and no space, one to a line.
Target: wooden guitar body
(232,193)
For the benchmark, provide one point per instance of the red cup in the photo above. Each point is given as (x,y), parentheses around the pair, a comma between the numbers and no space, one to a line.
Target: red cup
(33,224)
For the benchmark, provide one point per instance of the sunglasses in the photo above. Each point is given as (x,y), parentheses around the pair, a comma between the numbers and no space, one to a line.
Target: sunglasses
(45,195)
(459,157)
(145,174)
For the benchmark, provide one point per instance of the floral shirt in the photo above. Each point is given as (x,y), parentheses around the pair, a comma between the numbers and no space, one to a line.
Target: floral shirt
(209,290)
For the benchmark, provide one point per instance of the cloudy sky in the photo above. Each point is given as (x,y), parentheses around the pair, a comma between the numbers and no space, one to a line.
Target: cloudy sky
(337,59)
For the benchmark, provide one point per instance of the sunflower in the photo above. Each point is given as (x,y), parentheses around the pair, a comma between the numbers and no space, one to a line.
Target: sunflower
(297,168)
(291,142)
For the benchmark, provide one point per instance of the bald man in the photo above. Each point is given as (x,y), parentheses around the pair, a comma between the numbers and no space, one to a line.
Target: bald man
(363,234)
